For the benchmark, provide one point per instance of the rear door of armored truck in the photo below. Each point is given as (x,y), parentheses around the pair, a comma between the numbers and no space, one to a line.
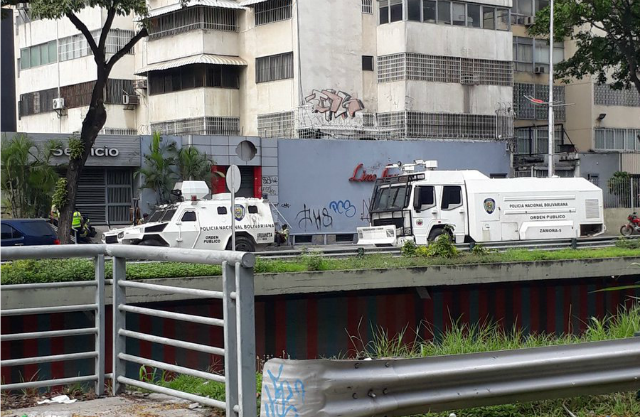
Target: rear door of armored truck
(188,225)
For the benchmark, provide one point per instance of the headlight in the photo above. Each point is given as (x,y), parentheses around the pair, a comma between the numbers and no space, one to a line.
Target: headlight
(360,234)
(390,233)
(120,235)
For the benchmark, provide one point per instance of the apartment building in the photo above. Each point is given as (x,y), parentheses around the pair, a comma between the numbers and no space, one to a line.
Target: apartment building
(363,69)
(595,118)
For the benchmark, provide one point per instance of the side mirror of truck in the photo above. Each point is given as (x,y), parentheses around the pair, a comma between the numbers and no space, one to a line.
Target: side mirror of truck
(417,204)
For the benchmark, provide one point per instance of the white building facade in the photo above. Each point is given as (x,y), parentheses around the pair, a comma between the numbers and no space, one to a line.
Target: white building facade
(364,69)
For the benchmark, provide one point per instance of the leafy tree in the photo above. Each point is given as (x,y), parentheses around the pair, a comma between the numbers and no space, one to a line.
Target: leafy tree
(96,115)
(607,36)
(28,179)
(159,168)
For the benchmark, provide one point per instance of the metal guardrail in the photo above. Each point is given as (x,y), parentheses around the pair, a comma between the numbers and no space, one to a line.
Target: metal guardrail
(352,250)
(238,321)
(400,387)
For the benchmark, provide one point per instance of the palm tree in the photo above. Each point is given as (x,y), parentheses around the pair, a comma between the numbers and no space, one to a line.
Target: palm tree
(28,179)
(159,171)
(193,165)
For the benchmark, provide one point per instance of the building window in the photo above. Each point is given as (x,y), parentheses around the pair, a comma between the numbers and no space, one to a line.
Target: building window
(276,125)
(617,139)
(37,55)
(367,63)
(76,46)
(274,67)
(604,95)
(444,69)
(525,109)
(446,12)
(533,54)
(76,95)
(535,140)
(367,6)
(193,76)
(199,126)
(594,179)
(272,11)
(193,18)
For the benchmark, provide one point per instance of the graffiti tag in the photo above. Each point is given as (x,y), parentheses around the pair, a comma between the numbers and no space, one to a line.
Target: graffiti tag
(270,191)
(269,180)
(310,217)
(280,402)
(334,104)
(343,207)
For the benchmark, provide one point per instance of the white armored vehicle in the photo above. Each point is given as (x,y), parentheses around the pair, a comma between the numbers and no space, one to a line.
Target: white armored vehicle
(421,205)
(199,223)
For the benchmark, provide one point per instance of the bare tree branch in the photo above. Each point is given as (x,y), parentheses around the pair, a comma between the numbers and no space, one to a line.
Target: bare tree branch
(83,28)
(125,49)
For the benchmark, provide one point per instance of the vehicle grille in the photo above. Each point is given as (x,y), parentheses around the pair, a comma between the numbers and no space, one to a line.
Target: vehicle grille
(111,239)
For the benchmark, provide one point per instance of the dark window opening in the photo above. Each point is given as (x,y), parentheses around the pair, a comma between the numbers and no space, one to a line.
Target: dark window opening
(168,215)
(451,197)
(222,210)
(367,63)
(193,76)
(426,196)
(189,216)
(413,10)
(253,209)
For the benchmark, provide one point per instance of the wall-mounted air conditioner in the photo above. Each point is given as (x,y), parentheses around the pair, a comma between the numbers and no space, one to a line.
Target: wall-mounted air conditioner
(529,20)
(538,70)
(58,103)
(130,100)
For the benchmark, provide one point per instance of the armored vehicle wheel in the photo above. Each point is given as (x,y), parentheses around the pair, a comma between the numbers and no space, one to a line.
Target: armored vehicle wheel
(150,242)
(244,244)
(434,234)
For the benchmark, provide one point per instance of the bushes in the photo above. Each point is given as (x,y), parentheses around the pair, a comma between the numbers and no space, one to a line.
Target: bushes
(442,247)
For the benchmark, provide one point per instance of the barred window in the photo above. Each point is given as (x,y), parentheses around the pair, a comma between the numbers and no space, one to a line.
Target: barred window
(276,125)
(199,126)
(525,109)
(604,95)
(444,69)
(194,18)
(274,67)
(617,139)
(535,140)
(37,102)
(193,76)
(272,11)
(367,6)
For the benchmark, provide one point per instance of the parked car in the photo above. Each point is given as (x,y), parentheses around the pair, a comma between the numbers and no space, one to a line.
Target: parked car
(27,232)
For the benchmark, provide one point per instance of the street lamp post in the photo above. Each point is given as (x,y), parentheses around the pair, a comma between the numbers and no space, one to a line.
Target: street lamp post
(551,127)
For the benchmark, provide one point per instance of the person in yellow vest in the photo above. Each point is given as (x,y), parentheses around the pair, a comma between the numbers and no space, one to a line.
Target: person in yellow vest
(76,224)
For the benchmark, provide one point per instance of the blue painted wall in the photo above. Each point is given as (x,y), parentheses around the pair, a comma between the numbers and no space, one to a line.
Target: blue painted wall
(316,196)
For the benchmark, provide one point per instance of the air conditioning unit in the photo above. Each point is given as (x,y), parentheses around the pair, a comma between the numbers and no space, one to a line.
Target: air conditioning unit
(529,20)
(130,100)
(140,84)
(58,103)
(538,70)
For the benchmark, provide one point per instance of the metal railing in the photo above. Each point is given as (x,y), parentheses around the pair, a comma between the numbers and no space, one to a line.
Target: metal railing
(238,321)
(622,193)
(400,387)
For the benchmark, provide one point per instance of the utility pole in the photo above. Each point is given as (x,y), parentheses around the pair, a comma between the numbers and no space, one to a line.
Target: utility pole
(551,127)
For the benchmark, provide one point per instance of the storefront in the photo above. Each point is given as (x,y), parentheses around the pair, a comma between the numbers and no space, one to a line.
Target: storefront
(106,186)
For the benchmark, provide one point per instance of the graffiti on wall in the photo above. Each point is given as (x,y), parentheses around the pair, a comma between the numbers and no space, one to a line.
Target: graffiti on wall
(334,104)
(282,396)
(343,207)
(310,217)
(320,218)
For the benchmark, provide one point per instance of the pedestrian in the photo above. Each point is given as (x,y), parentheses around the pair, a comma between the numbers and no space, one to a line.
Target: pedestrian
(54,215)
(282,237)
(76,224)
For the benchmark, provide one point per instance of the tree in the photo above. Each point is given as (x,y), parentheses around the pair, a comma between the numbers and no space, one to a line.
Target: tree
(607,36)
(28,179)
(96,115)
(159,173)
(193,165)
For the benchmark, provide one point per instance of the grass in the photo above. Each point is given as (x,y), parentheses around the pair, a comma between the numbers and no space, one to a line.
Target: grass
(483,337)
(59,270)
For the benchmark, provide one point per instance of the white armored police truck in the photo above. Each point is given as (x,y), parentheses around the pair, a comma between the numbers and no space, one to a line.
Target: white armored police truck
(199,223)
(419,205)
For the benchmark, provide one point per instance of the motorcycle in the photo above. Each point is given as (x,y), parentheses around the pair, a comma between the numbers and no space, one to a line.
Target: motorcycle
(631,227)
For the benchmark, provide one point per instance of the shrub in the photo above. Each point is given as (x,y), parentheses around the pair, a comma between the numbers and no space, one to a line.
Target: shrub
(409,248)
(442,247)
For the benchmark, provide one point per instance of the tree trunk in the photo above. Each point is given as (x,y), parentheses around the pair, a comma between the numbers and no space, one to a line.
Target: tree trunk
(91,125)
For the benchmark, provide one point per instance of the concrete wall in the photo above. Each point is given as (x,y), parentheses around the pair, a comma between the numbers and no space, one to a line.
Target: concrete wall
(190,43)
(603,165)
(198,102)
(615,218)
(316,196)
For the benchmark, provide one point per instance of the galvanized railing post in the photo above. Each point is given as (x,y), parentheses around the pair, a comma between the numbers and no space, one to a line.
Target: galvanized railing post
(230,341)
(99,324)
(119,342)
(246,338)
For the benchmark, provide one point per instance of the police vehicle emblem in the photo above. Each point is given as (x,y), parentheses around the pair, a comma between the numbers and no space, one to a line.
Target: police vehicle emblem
(238,212)
(489,205)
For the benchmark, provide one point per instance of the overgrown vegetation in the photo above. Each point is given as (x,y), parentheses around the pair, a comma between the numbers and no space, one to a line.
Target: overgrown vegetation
(57,270)
(462,338)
